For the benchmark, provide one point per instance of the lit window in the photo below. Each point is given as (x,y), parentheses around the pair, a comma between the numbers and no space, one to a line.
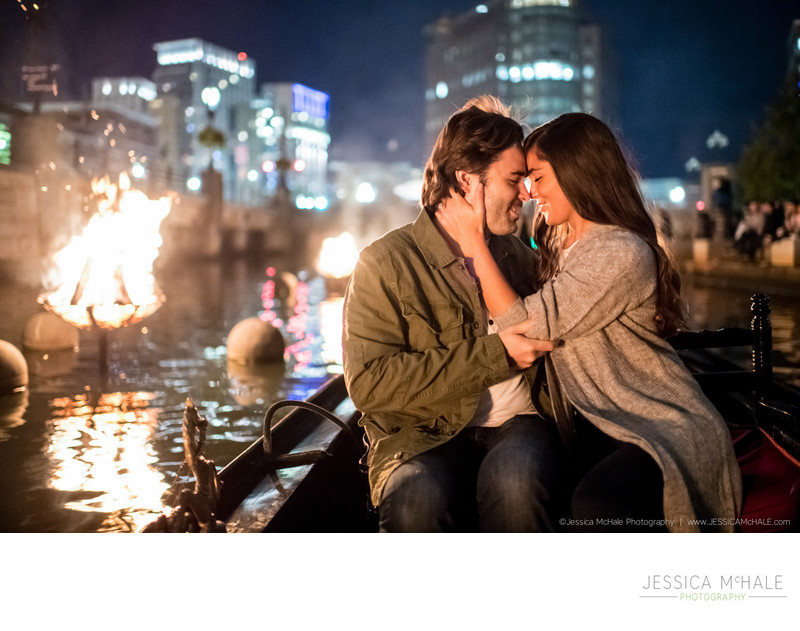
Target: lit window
(588,72)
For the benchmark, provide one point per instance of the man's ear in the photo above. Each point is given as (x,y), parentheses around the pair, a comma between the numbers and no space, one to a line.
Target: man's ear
(466,181)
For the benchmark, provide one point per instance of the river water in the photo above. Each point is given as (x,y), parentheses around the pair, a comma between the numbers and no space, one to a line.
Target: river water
(98,448)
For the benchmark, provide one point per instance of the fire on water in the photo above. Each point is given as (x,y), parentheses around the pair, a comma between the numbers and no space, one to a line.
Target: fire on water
(104,276)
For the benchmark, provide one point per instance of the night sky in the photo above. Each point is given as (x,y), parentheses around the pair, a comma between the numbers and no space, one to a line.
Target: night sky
(683,68)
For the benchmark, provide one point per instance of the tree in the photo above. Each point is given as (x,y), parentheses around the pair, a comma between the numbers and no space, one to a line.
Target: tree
(768,168)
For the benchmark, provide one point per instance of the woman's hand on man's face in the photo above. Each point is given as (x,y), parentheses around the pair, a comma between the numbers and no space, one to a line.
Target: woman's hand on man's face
(464,218)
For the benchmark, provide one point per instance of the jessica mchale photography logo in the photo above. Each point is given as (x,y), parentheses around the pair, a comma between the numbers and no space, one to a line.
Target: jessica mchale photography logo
(707,587)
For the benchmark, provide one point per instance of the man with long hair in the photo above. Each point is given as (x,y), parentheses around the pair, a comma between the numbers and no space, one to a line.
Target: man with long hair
(458,424)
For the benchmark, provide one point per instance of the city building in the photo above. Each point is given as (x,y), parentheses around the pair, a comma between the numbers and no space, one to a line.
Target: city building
(538,56)
(794,54)
(201,88)
(282,147)
(263,144)
(129,94)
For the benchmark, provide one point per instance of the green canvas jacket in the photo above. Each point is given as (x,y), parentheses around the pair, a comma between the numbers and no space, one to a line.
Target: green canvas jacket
(416,352)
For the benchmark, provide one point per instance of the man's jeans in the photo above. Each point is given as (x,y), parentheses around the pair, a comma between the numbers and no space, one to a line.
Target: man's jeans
(494,479)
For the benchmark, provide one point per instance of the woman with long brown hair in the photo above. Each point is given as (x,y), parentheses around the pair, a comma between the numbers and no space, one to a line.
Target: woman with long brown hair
(650,448)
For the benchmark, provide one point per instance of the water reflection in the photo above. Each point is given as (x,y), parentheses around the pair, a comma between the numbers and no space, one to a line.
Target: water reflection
(12,412)
(255,384)
(101,455)
(331,330)
(88,452)
(713,307)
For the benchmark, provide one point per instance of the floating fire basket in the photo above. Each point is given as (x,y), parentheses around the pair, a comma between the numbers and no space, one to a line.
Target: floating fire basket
(105,275)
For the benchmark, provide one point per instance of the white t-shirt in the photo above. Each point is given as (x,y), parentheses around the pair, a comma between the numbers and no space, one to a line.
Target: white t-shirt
(503,400)
(508,398)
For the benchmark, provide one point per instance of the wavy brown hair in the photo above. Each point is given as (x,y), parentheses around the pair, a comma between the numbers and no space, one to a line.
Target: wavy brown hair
(600,184)
(473,139)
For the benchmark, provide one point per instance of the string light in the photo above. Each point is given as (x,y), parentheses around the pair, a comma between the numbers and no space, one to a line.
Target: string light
(22,6)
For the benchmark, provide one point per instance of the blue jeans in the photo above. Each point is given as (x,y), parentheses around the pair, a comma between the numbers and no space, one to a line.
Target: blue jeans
(494,479)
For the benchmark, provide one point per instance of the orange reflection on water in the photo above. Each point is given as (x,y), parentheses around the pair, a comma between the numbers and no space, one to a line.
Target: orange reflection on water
(330,325)
(102,453)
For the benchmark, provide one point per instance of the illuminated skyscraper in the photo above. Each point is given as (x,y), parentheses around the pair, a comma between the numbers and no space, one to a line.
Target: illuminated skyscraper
(538,56)
(200,86)
(283,146)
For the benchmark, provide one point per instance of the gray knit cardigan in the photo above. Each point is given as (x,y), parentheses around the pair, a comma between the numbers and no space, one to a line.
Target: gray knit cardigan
(613,367)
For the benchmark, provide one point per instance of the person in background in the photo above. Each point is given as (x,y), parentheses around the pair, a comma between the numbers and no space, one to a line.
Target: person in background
(750,231)
(455,414)
(791,219)
(773,224)
(646,440)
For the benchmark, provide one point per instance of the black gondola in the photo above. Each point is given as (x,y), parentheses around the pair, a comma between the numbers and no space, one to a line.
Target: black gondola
(304,475)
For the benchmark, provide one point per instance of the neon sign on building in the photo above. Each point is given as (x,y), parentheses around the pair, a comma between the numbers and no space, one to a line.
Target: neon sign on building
(312,102)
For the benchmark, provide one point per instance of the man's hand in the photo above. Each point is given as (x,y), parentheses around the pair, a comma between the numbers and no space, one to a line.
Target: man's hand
(522,351)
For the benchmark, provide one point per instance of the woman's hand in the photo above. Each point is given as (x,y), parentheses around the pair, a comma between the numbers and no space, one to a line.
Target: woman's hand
(464,219)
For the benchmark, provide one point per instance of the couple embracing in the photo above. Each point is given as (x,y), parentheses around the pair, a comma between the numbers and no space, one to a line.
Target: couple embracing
(510,389)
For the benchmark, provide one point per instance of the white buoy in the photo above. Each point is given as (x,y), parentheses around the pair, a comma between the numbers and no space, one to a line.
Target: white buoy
(13,369)
(253,341)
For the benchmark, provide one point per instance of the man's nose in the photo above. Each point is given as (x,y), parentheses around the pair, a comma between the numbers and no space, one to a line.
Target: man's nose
(524,194)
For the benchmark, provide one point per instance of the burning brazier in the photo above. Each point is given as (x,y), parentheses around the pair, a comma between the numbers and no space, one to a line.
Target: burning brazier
(103,278)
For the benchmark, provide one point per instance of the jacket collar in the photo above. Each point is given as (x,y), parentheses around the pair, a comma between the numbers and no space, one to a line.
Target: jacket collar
(437,251)
(431,243)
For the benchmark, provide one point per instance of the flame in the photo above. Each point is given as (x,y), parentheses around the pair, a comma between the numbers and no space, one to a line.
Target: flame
(104,275)
(338,256)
